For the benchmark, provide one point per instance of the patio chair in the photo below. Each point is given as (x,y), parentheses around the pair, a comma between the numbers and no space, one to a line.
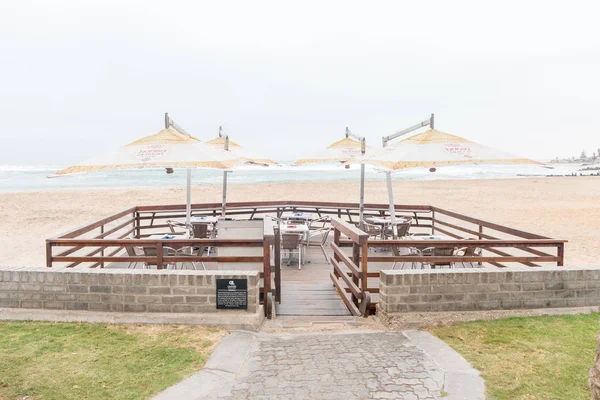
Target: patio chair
(151,252)
(292,242)
(176,224)
(318,223)
(470,251)
(134,252)
(324,234)
(402,229)
(439,252)
(203,231)
(412,251)
(374,231)
(191,251)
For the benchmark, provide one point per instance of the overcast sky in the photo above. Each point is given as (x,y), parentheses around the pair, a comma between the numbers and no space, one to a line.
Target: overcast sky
(78,78)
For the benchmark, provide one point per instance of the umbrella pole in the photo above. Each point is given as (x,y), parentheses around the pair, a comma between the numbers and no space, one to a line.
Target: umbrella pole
(188,205)
(388,176)
(361,208)
(224,202)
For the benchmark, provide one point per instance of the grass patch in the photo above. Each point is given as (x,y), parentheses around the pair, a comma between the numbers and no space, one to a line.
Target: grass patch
(547,357)
(94,361)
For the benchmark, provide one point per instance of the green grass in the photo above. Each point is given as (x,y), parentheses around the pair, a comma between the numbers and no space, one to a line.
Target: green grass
(546,357)
(94,361)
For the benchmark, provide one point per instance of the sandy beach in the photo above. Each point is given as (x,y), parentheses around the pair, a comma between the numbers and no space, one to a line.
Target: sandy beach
(566,208)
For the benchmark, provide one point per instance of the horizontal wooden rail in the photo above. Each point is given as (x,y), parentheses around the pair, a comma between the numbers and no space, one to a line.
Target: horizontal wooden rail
(86,228)
(467,243)
(444,259)
(486,224)
(346,260)
(351,285)
(166,259)
(154,242)
(356,235)
(342,292)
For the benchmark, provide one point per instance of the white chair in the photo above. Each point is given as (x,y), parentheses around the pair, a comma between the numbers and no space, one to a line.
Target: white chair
(190,251)
(323,233)
(134,252)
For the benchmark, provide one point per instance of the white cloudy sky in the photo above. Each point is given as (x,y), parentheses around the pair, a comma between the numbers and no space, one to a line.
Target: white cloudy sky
(78,78)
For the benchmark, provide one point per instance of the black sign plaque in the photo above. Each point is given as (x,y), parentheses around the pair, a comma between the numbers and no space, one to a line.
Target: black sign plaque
(232,294)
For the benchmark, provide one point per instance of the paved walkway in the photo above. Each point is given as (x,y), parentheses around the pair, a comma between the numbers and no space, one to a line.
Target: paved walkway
(380,365)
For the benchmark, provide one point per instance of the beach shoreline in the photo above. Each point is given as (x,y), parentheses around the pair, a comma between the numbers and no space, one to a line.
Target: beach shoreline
(563,208)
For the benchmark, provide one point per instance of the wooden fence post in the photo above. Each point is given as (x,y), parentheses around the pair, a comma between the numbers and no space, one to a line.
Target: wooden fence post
(159,255)
(267,277)
(48,254)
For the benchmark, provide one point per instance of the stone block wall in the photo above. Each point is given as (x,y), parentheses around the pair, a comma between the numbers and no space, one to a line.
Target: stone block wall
(120,290)
(405,291)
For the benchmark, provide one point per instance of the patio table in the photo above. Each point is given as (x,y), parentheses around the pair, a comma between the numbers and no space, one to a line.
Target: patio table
(300,216)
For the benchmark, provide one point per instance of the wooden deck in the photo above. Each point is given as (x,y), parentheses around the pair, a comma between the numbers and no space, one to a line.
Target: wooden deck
(309,291)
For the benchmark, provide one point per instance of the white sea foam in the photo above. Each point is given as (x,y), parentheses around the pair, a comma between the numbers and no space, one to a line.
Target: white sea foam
(35,177)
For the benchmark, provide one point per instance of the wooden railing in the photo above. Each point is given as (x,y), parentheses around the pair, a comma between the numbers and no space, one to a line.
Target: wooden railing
(350,273)
(105,241)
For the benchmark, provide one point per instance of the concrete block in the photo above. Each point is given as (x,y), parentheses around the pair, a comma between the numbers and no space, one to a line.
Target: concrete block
(431,298)
(161,308)
(54,288)
(572,302)
(488,305)
(54,305)
(451,297)
(65,297)
(172,299)
(99,307)
(183,308)
(509,287)
(78,288)
(532,286)
(554,285)
(443,288)
(184,290)
(510,304)
(576,285)
(9,286)
(134,308)
(420,289)
(197,299)
(30,304)
(77,306)
(31,287)
(159,290)
(13,303)
(145,299)
(587,293)
(100,289)
(136,289)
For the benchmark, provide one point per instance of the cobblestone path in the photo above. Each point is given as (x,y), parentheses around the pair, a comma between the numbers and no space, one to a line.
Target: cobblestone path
(336,366)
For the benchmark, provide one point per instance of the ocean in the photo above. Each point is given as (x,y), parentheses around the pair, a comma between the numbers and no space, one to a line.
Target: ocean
(40,177)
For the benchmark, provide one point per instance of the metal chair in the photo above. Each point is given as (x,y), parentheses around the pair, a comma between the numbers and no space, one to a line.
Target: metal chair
(291,242)
(412,251)
(372,230)
(151,252)
(324,233)
(322,221)
(470,251)
(176,224)
(134,252)
(191,251)
(441,252)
